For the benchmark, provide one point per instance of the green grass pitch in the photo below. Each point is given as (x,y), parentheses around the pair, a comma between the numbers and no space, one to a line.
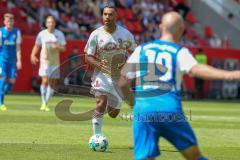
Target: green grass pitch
(26,133)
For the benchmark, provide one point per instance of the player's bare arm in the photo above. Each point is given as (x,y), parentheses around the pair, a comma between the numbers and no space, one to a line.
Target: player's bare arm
(98,64)
(124,84)
(210,73)
(19,57)
(34,59)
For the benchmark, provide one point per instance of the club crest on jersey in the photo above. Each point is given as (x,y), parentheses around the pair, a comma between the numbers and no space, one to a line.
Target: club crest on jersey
(120,40)
(113,46)
(14,36)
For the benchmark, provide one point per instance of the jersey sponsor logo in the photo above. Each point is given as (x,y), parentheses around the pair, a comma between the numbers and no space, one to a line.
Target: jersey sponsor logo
(8,43)
(111,46)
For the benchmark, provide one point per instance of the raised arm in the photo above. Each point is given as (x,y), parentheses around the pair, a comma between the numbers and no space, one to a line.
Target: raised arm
(210,73)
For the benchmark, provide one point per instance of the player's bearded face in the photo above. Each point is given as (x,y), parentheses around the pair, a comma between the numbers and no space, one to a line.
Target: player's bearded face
(9,22)
(109,16)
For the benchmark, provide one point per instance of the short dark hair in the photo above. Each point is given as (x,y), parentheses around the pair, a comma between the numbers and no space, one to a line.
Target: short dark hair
(109,4)
(50,16)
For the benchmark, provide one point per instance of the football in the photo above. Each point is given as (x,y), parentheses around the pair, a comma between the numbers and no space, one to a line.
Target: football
(98,142)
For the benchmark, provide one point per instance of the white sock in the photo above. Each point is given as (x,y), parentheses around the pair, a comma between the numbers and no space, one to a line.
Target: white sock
(43,90)
(97,122)
(49,94)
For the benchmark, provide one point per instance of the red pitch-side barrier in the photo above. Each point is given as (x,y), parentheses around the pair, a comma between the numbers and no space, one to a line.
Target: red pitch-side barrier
(25,75)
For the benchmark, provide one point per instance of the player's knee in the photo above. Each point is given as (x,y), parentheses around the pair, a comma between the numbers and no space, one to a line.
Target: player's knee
(101,103)
(44,81)
(113,113)
(12,80)
(2,77)
(192,153)
(194,156)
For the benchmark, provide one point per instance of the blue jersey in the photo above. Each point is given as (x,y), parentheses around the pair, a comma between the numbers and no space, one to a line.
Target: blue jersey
(159,78)
(158,67)
(8,44)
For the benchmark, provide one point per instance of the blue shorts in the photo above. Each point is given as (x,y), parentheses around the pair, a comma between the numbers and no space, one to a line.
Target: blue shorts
(146,137)
(8,70)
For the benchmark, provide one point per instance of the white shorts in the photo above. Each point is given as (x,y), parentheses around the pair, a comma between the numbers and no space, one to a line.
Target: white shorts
(49,71)
(104,85)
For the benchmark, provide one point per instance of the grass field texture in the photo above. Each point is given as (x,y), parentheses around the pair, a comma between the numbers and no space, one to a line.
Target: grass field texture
(26,133)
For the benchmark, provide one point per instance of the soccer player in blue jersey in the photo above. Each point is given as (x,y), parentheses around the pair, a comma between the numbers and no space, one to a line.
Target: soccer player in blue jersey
(158,67)
(10,56)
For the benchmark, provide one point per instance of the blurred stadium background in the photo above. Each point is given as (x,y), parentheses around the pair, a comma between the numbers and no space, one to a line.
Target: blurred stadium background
(213,27)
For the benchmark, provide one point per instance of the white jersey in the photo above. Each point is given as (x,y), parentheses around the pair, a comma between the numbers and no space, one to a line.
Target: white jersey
(49,56)
(104,46)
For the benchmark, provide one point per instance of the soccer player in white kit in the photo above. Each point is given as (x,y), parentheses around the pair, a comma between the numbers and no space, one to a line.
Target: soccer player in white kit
(103,49)
(51,41)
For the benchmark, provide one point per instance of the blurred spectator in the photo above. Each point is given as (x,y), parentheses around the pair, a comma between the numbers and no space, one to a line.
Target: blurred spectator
(230,16)
(238,1)
(121,3)
(64,6)
(77,18)
(190,19)
(53,10)
(213,40)
(74,31)
(199,83)
(183,8)
(151,32)
(226,42)
(44,11)
(75,72)
(95,7)
(137,10)
(62,22)
(83,34)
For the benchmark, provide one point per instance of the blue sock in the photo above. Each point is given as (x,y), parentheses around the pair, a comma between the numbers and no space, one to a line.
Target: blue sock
(202,158)
(1,99)
(8,87)
(2,91)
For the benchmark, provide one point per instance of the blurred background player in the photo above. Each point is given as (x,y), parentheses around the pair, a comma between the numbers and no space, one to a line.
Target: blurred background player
(148,126)
(103,45)
(10,56)
(52,42)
